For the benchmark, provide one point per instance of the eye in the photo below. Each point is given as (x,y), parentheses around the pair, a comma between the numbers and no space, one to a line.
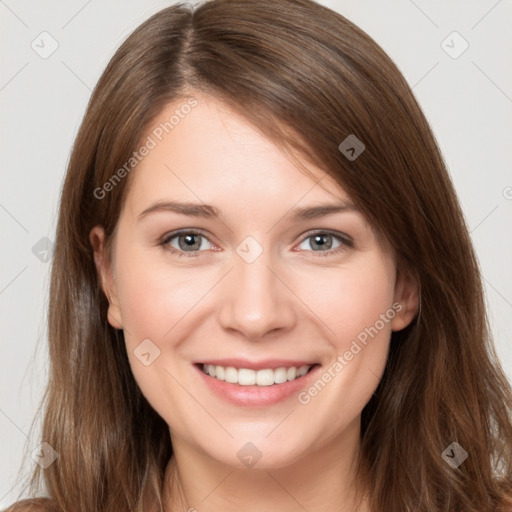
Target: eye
(191,243)
(184,242)
(322,242)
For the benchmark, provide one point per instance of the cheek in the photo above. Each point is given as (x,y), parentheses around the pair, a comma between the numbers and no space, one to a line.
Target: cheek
(356,308)
(155,296)
(156,301)
(164,303)
(350,300)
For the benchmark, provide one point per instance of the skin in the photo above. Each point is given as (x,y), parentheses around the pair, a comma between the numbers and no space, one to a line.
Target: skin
(292,302)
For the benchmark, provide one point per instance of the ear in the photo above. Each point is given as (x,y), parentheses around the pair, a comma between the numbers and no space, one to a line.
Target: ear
(105,275)
(407,296)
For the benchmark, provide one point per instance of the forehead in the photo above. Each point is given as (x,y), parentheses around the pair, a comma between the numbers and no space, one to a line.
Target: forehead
(209,152)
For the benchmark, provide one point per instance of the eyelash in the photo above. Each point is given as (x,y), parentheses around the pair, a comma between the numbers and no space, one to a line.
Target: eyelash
(345,242)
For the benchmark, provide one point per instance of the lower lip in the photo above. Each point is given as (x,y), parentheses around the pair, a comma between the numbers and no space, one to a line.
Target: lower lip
(254,396)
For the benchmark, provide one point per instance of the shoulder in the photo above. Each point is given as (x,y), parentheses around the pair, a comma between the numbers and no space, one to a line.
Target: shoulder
(31,505)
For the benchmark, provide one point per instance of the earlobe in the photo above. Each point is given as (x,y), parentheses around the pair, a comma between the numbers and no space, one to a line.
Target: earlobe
(105,275)
(407,299)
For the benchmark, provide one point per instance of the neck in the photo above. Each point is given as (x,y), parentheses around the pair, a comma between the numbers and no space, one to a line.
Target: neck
(320,479)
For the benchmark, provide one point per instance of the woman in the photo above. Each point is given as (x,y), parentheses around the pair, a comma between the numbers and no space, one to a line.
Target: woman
(206,352)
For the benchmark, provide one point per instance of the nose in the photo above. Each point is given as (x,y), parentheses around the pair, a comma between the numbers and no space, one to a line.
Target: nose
(256,299)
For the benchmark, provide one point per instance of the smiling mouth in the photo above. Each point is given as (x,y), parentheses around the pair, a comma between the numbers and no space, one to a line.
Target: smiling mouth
(249,377)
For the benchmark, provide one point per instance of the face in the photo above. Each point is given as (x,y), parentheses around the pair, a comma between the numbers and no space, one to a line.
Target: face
(246,283)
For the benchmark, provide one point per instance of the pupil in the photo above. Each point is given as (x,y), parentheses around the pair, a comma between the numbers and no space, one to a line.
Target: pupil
(189,241)
(318,238)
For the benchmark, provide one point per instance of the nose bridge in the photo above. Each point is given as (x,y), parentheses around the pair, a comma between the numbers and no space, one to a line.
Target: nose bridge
(254,300)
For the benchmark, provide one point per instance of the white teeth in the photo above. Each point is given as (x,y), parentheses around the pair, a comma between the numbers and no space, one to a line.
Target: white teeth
(302,371)
(280,375)
(219,372)
(231,375)
(246,377)
(265,377)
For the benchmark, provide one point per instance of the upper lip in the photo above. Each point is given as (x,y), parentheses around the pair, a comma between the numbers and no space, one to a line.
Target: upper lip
(257,365)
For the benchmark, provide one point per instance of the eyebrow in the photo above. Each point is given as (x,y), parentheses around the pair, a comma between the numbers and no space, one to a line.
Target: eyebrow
(208,211)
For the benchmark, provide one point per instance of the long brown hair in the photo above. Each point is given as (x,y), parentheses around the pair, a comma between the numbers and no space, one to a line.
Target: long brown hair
(308,78)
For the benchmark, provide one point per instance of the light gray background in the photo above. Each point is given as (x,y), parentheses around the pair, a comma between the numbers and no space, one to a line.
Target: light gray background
(468,101)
